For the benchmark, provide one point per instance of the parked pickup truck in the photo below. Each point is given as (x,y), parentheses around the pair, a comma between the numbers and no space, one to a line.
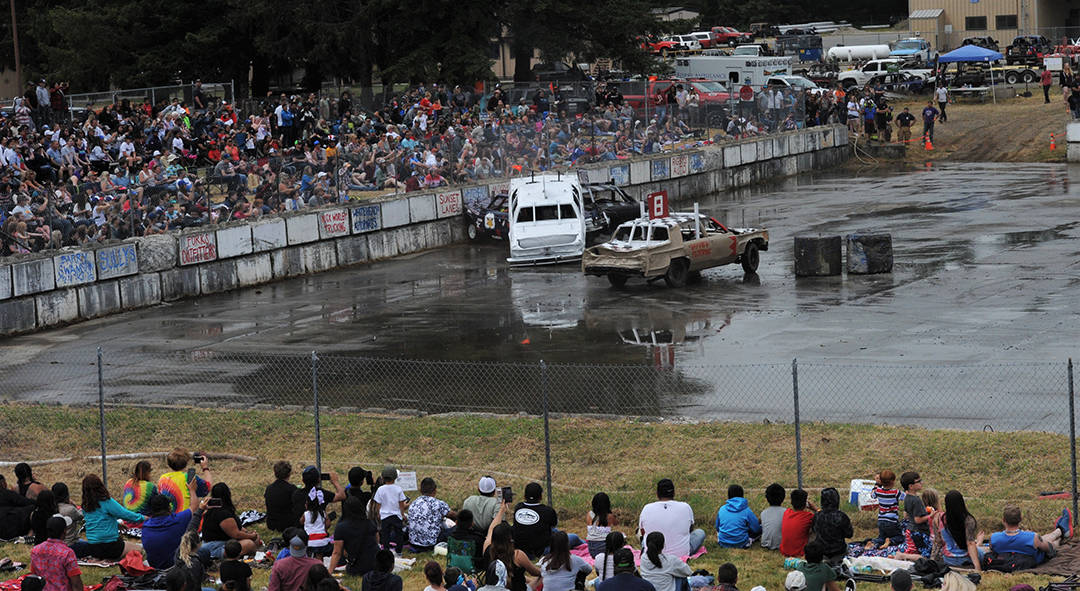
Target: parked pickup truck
(874,68)
(674,248)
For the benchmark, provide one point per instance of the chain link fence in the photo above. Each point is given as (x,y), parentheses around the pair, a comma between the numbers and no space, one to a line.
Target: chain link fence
(152,94)
(1031,397)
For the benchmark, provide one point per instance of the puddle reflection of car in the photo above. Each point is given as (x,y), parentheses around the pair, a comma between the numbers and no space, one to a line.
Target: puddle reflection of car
(488,221)
(547,299)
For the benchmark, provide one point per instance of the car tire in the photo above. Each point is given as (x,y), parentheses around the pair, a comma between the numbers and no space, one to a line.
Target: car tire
(1028,77)
(617,280)
(472,232)
(677,274)
(750,258)
(1011,77)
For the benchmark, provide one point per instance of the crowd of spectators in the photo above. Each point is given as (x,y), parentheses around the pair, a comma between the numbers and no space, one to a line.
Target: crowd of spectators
(189,524)
(128,169)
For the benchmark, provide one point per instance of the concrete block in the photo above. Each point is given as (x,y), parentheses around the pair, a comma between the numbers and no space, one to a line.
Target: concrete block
(1072,132)
(448,204)
(811,139)
(748,152)
(458,231)
(74,268)
(680,165)
(600,174)
(817,256)
(319,257)
(157,252)
(732,156)
(197,247)
(764,149)
(365,218)
(421,208)
(869,253)
(333,223)
(18,315)
(842,138)
(409,240)
(796,144)
(697,162)
(828,138)
(780,146)
(118,261)
(620,174)
(286,263)
(233,242)
(789,165)
(5,282)
(661,168)
(352,250)
(303,228)
(382,245)
(254,269)
(1073,153)
(395,213)
(140,291)
(33,276)
(56,307)
(217,276)
(181,282)
(640,172)
(99,299)
(806,162)
(268,235)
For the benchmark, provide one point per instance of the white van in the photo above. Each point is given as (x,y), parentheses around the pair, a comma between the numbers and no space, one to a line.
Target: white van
(547,220)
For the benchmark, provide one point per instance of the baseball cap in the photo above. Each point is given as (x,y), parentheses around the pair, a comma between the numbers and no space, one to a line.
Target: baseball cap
(486,485)
(298,546)
(533,491)
(795,581)
(389,473)
(900,580)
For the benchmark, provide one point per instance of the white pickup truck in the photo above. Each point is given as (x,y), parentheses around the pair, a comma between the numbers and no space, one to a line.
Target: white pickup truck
(860,76)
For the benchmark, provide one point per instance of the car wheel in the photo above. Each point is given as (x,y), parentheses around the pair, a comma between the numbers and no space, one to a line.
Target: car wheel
(1012,77)
(1029,76)
(750,258)
(617,280)
(471,231)
(677,273)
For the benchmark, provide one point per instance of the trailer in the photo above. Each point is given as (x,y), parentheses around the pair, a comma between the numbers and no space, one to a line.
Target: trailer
(734,70)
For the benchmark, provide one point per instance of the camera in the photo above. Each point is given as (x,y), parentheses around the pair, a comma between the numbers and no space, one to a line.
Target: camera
(198,458)
(324,476)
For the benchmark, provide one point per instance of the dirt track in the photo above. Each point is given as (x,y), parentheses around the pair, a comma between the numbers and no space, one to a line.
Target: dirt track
(1013,130)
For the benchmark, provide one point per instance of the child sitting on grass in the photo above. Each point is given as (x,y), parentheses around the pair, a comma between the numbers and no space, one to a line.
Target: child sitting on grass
(888,521)
(797,523)
(233,570)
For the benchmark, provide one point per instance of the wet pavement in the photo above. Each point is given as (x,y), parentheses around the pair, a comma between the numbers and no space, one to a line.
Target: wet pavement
(987,270)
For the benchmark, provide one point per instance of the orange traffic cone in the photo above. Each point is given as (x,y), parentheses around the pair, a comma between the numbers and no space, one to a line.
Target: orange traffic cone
(929,145)
(1053,144)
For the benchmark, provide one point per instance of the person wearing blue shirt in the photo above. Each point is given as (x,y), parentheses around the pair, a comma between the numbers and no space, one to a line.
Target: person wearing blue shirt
(736,524)
(161,533)
(1028,543)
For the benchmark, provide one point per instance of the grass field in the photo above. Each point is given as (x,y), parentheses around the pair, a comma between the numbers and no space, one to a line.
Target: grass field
(622,458)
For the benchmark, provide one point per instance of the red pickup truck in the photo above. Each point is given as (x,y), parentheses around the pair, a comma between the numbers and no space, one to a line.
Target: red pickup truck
(730,36)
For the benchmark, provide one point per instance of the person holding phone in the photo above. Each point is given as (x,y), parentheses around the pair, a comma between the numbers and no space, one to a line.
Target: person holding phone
(161,533)
(220,524)
(174,484)
(312,491)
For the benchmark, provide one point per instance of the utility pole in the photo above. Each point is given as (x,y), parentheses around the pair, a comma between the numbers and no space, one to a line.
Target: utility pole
(15,42)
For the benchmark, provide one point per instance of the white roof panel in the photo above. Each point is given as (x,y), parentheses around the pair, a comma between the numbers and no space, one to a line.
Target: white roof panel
(927,13)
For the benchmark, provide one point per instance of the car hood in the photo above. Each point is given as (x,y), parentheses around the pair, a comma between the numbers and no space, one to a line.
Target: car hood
(904,51)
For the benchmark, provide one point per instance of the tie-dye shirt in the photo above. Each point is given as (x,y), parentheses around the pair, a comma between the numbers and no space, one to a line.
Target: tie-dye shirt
(174,485)
(137,495)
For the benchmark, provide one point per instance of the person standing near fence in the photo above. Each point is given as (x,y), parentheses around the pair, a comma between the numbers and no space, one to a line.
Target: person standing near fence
(942,96)
(1046,79)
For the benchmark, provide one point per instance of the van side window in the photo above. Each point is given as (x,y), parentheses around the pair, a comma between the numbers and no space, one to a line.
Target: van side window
(525,214)
(566,212)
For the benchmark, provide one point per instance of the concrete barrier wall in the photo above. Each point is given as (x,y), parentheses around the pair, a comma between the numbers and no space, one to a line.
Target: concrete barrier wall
(50,289)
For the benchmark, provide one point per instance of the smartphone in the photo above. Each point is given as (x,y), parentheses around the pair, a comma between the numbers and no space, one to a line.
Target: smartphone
(507,494)
(190,474)
(213,503)
(325,476)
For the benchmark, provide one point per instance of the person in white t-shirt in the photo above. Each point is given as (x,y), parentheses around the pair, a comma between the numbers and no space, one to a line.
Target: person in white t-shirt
(674,519)
(390,502)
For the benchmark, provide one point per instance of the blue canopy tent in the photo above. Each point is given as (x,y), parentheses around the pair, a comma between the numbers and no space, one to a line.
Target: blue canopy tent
(973,53)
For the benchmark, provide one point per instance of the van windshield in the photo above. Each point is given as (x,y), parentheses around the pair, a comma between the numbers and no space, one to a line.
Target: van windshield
(547,212)
(909,45)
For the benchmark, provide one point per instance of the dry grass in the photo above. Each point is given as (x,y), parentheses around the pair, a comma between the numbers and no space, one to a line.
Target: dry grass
(622,458)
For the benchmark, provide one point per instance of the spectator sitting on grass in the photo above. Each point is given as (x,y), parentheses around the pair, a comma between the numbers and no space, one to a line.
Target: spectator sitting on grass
(355,537)
(426,515)
(674,519)
(772,517)
(956,535)
(534,522)
(736,524)
(54,561)
(499,546)
(161,533)
(383,577)
(233,570)
(173,484)
(29,487)
(1036,548)
(465,531)
(819,576)
(664,571)
(797,524)
(279,498)
(44,508)
(433,572)
(101,512)
(290,573)
(559,569)
(138,489)
(598,523)
(66,508)
(483,505)
(727,576)
(626,578)
(604,562)
(832,527)
(220,524)
(15,512)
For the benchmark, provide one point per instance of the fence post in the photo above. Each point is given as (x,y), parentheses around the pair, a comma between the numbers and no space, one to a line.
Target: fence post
(1072,433)
(101,416)
(547,430)
(798,426)
(315,402)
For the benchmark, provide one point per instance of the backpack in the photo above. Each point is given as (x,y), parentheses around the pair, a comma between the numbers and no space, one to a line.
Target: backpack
(1008,562)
